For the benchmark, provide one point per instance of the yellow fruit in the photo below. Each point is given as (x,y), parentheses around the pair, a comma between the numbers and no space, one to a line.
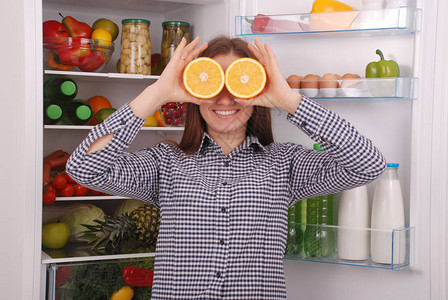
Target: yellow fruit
(245,78)
(108,25)
(124,293)
(159,118)
(151,121)
(102,37)
(320,6)
(203,78)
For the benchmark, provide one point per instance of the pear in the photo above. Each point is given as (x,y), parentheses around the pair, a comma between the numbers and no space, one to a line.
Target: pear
(76,28)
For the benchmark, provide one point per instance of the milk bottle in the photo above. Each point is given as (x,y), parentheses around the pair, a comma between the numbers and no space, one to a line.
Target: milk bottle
(388,214)
(354,221)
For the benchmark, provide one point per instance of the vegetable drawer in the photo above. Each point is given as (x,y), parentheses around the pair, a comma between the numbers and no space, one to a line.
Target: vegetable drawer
(101,280)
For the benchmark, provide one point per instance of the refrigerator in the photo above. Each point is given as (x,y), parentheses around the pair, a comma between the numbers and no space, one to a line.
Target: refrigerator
(408,124)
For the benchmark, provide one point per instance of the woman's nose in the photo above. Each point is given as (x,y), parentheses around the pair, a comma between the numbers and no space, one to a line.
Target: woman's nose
(225,97)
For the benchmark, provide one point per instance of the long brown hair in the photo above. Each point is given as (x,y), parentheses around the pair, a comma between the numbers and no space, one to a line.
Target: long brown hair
(259,124)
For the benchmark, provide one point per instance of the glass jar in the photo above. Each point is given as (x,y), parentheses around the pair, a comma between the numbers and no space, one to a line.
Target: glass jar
(173,32)
(135,47)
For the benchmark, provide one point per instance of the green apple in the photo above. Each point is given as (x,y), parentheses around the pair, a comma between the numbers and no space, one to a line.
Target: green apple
(108,25)
(55,235)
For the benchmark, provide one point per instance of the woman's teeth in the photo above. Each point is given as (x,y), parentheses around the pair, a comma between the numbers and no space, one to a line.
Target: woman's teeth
(225,112)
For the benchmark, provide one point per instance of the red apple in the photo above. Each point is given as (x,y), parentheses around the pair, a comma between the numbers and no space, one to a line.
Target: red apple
(53,33)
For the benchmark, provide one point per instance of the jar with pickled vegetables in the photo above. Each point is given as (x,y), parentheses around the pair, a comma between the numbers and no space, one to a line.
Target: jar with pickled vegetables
(173,32)
(135,47)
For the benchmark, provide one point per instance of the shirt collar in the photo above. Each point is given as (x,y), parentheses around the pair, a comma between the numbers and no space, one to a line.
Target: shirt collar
(249,141)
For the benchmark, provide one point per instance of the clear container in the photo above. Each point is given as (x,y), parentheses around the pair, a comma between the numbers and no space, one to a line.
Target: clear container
(135,47)
(173,32)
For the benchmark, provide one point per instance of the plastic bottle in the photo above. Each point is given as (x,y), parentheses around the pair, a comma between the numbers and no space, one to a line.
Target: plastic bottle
(76,112)
(60,89)
(52,112)
(294,244)
(354,221)
(319,240)
(387,215)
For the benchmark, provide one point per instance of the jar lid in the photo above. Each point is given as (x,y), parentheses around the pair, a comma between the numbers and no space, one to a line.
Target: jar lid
(135,21)
(54,111)
(83,112)
(176,23)
(68,88)
(392,165)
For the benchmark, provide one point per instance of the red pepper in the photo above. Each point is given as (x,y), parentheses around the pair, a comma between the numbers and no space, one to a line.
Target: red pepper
(77,56)
(98,59)
(137,276)
(265,24)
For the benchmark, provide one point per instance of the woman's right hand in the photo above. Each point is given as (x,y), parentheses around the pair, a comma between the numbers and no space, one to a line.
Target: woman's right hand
(169,87)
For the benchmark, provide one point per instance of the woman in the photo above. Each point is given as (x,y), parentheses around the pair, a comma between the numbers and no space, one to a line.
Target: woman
(224,191)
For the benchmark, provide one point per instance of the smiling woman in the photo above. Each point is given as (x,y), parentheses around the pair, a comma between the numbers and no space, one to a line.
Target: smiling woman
(225,189)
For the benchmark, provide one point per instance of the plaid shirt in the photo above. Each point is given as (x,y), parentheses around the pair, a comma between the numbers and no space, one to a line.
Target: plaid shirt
(224,218)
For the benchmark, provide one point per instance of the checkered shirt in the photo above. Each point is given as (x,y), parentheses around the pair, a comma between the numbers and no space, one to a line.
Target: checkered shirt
(224,218)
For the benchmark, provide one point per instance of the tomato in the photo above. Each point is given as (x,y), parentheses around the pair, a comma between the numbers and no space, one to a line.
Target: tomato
(49,197)
(67,191)
(59,182)
(50,187)
(94,193)
(69,179)
(80,190)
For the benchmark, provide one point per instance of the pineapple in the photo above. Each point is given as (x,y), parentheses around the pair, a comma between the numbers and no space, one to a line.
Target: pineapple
(141,225)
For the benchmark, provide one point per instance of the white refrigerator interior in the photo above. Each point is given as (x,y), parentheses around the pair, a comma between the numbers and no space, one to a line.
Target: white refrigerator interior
(409,130)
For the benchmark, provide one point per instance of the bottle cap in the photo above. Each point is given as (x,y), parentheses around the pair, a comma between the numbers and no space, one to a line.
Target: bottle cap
(54,111)
(176,23)
(393,165)
(317,147)
(135,21)
(68,88)
(83,112)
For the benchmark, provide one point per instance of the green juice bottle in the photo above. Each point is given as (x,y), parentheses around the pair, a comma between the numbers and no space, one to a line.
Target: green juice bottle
(52,113)
(60,89)
(319,241)
(76,112)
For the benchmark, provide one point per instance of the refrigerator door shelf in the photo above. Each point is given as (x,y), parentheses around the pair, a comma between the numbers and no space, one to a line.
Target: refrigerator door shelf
(394,21)
(365,88)
(398,245)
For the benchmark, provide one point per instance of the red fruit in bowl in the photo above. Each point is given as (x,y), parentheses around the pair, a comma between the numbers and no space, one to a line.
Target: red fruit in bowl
(54,32)
(98,59)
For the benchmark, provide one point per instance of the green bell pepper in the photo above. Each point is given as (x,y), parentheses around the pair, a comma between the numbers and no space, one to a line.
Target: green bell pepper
(382,68)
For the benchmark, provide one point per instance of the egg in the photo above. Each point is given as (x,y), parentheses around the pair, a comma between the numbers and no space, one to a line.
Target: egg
(310,81)
(349,80)
(329,81)
(294,81)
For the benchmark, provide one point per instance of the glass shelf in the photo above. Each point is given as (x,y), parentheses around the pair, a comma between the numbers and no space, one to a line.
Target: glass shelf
(396,21)
(88,127)
(364,88)
(105,77)
(364,247)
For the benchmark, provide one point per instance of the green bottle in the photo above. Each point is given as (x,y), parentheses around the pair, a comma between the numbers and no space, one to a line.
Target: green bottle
(76,112)
(319,241)
(60,89)
(52,113)
(295,235)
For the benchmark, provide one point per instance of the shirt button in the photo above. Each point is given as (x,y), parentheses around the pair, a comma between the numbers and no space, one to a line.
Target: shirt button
(227,163)
(221,242)
(123,122)
(303,124)
(224,183)
(218,274)
(223,209)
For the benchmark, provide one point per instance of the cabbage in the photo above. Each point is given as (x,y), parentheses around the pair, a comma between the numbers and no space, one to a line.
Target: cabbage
(128,206)
(74,215)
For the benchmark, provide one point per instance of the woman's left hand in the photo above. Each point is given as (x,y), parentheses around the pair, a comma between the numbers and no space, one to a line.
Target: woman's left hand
(277,92)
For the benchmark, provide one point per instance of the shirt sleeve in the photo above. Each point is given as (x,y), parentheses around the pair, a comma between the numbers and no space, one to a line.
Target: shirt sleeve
(110,169)
(349,159)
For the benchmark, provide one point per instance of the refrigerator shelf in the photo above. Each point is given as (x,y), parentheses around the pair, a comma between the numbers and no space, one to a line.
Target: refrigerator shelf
(88,127)
(365,88)
(352,246)
(104,77)
(88,198)
(397,21)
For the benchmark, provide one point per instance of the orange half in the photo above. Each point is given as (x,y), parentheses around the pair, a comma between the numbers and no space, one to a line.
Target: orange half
(203,78)
(245,78)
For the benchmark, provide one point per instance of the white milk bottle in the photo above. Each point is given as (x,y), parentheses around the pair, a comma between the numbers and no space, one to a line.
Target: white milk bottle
(354,221)
(388,246)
